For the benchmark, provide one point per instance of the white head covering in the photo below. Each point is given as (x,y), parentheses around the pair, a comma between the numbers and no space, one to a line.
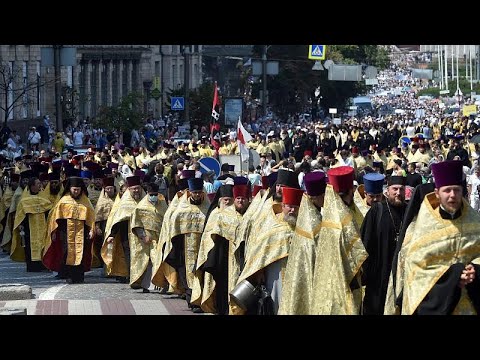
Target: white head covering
(126,172)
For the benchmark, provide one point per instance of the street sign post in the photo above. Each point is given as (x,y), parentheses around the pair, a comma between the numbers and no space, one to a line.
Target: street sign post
(178,103)
(208,164)
(316,52)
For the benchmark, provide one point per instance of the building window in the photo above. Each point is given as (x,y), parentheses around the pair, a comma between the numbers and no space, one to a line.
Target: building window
(25,90)
(38,88)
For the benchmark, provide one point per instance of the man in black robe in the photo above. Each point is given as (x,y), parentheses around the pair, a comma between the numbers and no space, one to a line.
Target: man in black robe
(218,258)
(379,232)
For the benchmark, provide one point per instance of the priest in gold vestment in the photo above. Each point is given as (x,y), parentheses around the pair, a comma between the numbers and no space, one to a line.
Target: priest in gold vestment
(180,241)
(297,289)
(118,233)
(146,223)
(340,252)
(268,246)
(6,201)
(29,227)
(70,231)
(439,261)
(216,254)
(103,208)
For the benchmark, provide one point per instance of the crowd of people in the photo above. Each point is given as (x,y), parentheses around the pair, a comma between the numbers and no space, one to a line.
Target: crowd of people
(371,215)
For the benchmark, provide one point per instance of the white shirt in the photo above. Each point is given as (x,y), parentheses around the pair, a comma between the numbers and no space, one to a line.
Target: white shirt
(474,181)
(78,138)
(34,138)
(11,144)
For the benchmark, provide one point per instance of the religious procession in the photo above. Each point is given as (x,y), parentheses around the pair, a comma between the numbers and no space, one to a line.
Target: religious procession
(376,215)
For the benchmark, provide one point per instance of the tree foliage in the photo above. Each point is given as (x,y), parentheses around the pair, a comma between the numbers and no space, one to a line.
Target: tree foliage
(200,102)
(293,89)
(127,115)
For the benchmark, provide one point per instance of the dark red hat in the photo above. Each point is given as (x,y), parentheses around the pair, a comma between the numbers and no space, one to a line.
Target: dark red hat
(140,173)
(315,183)
(108,181)
(256,189)
(241,191)
(188,174)
(211,196)
(133,180)
(341,178)
(447,173)
(291,196)
(355,150)
(265,184)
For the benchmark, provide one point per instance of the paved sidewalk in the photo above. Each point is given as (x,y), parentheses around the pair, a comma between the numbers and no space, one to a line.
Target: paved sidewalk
(169,305)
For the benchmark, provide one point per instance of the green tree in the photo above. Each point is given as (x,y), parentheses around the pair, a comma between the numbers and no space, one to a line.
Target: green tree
(293,89)
(124,117)
(200,102)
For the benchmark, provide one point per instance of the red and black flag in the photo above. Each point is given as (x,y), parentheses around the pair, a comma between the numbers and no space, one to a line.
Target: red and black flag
(215,126)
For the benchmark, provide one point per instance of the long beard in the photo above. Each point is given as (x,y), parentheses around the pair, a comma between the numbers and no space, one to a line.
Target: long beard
(277,198)
(54,190)
(195,201)
(290,219)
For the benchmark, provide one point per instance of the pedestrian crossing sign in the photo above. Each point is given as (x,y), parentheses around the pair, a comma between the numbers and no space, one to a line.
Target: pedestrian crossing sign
(178,103)
(316,52)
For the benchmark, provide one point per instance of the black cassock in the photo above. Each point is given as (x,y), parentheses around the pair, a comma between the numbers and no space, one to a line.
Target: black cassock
(379,236)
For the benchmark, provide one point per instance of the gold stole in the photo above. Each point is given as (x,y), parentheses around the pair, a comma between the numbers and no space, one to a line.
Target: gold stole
(359,200)
(116,263)
(163,273)
(340,254)
(268,242)
(7,234)
(5,204)
(77,213)
(432,244)
(149,218)
(35,207)
(297,287)
(222,223)
(103,207)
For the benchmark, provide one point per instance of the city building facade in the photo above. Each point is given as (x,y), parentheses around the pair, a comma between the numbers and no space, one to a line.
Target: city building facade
(102,76)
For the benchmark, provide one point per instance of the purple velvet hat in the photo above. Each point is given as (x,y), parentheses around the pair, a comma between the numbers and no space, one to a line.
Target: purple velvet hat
(448,173)
(315,183)
(188,174)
